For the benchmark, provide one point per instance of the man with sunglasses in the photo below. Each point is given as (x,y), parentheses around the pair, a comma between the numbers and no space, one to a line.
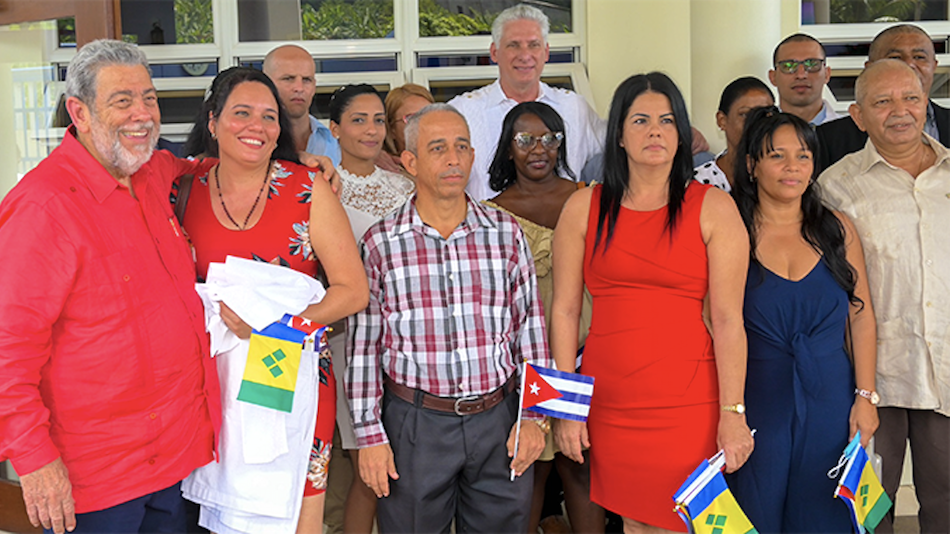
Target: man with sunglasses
(913,46)
(800,74)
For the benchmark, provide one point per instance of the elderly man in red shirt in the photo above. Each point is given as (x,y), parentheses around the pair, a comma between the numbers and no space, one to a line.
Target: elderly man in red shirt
(108,397)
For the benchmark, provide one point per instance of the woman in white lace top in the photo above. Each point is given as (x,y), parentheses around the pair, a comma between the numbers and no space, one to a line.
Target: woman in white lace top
(369,193)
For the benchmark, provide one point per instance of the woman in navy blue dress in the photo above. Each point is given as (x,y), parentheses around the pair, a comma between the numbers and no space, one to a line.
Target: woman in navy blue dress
(807,282)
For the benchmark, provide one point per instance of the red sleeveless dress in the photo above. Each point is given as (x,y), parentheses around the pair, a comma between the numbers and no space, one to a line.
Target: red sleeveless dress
(654,413)
(281,237)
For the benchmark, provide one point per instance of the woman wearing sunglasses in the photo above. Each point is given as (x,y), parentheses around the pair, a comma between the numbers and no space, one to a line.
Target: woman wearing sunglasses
(531,174)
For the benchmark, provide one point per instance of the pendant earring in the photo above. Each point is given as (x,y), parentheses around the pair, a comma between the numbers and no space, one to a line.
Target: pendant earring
(214,136)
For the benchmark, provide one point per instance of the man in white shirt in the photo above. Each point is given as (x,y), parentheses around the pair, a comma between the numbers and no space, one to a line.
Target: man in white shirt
(520,48)
(294,73)
(800,74)
(895,190)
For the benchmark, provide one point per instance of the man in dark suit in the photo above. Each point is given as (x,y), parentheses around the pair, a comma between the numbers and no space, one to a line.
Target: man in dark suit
(913,46)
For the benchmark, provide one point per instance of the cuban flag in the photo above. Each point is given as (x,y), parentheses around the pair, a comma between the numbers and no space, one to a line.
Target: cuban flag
(556,393)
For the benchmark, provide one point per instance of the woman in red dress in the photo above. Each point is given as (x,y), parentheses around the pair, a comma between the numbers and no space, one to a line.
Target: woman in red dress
(652,246)
(252,199)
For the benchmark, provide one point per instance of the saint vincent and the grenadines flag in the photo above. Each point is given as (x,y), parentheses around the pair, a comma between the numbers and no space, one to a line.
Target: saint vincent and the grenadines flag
(273,359)
(706,504)
(861,490)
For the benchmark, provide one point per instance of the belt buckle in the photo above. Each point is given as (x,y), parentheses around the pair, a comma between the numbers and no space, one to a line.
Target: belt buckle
(464,399)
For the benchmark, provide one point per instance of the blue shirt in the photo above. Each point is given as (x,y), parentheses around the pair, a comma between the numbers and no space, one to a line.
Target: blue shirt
(322,142)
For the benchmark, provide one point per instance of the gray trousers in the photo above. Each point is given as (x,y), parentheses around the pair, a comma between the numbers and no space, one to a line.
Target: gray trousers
(453,467)
(929,435)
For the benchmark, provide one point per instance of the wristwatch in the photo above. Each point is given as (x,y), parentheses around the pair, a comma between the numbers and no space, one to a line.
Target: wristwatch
(545,425)
(871,396)
(737,408)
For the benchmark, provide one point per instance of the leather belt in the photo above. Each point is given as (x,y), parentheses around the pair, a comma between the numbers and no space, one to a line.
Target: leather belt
(458,405)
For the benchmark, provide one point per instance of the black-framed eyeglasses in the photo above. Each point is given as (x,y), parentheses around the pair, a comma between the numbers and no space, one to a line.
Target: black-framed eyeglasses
(790,66)
(550,140)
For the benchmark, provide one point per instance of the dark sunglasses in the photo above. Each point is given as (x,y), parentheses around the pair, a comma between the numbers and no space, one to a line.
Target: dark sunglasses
(550,140)
(790,66)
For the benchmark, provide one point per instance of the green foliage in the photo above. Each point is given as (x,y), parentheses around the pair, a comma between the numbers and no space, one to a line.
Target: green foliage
(194,23)
(339,19)
(66,28)
(435,21)
(875,10)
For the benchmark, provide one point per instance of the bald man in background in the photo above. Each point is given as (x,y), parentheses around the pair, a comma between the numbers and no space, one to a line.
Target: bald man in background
(294,73)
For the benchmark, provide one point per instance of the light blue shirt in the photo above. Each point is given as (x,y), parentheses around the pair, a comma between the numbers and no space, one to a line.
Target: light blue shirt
(322,142)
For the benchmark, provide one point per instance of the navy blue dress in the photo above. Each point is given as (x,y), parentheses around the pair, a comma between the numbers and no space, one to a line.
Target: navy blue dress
(799,392)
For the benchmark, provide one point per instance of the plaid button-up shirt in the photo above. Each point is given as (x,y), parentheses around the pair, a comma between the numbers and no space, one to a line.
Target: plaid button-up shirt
(451,316)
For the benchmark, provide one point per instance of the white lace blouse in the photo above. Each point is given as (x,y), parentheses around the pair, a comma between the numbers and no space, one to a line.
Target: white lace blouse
(368,199)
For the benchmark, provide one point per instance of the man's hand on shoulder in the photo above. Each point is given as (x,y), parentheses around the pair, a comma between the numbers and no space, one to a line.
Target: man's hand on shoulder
(377,466)
(325,165)
(530,445)
(48,497)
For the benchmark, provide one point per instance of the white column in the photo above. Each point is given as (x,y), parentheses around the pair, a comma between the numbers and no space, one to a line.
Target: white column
(730,39)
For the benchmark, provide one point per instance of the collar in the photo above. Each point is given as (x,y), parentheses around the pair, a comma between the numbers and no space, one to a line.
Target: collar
(316,126)
(88,169)
(871,156)
(496,96)
(408,219)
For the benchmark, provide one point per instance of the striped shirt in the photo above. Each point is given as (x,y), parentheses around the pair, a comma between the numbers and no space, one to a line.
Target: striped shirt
(452,316)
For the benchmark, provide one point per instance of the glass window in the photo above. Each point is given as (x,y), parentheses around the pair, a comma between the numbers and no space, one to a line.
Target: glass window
(315,20)
(148,22)
(851,11)
(474,17)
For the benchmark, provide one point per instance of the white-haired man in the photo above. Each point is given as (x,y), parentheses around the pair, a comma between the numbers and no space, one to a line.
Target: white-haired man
(896,191)
(108,395)
(520,48)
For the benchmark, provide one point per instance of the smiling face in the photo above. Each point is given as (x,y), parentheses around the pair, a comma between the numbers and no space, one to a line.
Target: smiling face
(733,122)
(536,162)
(520,54)
(893,107)
(362,128)
(122,125)
(247,128)
(801,88)
(785,170)
(649,131)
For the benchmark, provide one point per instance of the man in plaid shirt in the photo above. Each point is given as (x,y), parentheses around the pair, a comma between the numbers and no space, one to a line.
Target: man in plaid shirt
(435,358)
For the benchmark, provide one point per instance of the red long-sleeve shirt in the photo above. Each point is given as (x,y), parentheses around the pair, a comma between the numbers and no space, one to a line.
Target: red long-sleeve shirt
(104,359)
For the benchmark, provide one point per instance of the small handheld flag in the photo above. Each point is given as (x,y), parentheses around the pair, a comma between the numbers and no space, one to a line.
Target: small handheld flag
(555,394)
(273,359)
(705,503)
(860,488)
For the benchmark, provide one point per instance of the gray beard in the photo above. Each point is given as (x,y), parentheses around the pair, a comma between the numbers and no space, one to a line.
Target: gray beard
(109,145)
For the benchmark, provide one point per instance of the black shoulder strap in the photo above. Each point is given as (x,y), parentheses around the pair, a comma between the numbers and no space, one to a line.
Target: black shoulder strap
(181,201)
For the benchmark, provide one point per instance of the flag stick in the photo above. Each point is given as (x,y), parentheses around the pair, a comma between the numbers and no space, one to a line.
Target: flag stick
(524,373)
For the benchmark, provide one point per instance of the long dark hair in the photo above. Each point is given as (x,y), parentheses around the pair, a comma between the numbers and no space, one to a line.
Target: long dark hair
(501,172)
(200,142)
(820,227)
(616,169)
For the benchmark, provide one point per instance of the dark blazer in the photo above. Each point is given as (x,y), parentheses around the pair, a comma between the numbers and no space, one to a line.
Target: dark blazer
(840,137)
